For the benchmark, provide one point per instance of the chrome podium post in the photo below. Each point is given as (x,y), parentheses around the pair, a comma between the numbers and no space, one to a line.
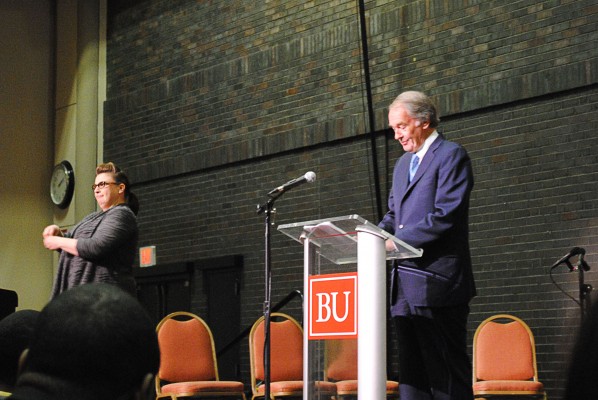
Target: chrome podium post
(371,314)
(309,257)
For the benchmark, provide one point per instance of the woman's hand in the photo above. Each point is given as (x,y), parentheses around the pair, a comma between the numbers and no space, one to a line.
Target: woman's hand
(53,240)
(51,230)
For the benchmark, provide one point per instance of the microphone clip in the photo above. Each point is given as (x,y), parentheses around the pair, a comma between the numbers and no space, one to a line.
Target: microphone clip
(581,263)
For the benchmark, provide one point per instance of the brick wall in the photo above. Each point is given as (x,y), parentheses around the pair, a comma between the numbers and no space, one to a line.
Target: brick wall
(535,167)
(212,104)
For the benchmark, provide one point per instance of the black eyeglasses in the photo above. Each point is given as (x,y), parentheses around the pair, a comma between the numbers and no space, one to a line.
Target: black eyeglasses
(102,185)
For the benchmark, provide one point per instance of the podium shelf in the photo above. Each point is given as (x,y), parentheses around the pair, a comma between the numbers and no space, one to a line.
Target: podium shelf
(336,238)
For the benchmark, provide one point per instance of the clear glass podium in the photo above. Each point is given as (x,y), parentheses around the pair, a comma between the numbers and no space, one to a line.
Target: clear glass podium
(335,246)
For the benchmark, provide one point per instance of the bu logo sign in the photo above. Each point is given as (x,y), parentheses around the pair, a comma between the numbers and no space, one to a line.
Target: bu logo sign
(332,306)
(326,309)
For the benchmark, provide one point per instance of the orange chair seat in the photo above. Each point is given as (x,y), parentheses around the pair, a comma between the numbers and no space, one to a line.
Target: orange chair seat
(181,388)
(282,387)
(485,387)
(350,386)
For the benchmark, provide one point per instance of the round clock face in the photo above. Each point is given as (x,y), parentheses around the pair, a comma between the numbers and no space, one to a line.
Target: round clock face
(62,184)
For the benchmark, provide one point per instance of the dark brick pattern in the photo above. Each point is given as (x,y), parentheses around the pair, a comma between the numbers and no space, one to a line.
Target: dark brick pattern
(212,104)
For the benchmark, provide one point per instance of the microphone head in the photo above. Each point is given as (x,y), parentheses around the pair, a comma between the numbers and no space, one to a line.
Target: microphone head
(577,250)
(310,176)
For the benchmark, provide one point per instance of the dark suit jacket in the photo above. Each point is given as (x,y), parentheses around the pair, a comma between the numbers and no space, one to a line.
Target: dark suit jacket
(432,213)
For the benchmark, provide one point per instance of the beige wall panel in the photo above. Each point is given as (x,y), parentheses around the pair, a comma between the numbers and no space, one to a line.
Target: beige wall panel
(65,144)
(66,53)
(87,105)
(26,125)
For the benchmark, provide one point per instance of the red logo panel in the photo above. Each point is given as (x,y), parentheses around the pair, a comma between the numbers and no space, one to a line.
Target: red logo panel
(333,306)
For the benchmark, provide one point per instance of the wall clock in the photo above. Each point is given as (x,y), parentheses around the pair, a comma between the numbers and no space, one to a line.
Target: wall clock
(62,184)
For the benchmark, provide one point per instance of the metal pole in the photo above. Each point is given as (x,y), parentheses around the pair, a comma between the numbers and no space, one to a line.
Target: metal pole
(309,256)
(268,209)
(371,314)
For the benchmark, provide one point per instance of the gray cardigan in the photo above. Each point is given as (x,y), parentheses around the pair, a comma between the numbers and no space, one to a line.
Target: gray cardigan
(107,244)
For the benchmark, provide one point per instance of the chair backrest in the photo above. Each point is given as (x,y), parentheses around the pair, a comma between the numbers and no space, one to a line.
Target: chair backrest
(341,360)
(286,349)
(504,349)
(187,351)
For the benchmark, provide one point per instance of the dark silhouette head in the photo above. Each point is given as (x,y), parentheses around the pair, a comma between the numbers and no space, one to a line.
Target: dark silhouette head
(16,330)
(97,338)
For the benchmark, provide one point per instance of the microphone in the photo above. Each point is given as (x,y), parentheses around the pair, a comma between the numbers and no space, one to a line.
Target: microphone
(308,177)
(565,259)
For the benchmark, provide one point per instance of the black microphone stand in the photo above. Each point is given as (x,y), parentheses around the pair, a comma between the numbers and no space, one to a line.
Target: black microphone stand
(268,209)
(585,300)
(585,290)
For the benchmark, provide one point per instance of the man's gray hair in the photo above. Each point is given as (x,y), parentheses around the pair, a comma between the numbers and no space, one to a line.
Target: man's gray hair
(418,106)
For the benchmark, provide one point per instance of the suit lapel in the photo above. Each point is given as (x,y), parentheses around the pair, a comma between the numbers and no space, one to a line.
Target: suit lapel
(403,174)
(424,164)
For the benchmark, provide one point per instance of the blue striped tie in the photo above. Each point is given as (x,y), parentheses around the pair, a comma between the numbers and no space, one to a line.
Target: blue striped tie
(413,167)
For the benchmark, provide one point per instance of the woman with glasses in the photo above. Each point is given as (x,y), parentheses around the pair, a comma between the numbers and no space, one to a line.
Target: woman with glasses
(102,247)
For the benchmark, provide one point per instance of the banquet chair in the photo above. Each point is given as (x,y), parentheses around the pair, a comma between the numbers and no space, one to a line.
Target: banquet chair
(286,359)
(504,360)
(341,368)
(188,366)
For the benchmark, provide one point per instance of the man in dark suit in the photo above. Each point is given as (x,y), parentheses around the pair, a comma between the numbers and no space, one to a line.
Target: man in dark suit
(428,209)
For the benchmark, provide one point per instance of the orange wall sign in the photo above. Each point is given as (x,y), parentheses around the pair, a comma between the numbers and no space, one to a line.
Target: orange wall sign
(147,256)
(332,306)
